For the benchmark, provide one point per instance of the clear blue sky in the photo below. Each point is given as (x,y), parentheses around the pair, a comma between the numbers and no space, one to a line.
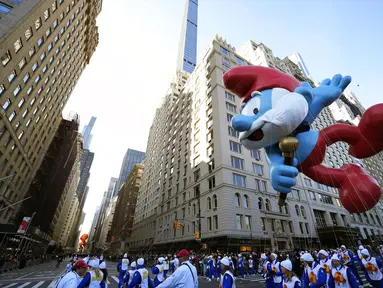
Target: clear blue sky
(136,58)
(332,36)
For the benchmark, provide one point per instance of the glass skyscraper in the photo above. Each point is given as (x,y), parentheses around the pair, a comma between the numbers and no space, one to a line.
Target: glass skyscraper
(187,54)
(131,158)
(86,133)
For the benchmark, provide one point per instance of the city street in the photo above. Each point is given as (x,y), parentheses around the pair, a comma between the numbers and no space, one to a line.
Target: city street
(45,275)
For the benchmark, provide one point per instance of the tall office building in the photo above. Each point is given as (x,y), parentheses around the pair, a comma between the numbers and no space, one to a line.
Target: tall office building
(105,203)
(87,132)
(124,211)
(86,164)
(51,179)
(187,54)
(93,228)
(131,158)
(197,171)
(67,210)
(44,47)
(298,60)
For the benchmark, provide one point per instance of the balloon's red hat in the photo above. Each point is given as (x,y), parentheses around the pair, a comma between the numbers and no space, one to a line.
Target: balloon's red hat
(243,80)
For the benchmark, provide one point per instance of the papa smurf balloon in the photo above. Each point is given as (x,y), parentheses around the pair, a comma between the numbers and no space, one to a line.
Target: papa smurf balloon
(276,105)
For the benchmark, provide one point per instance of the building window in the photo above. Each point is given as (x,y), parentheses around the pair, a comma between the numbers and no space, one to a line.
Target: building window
(209,203)
(303,212)
(38,23)
(46,14)
(224,51)
(258,169)
(215,220)
(256,154)
(209,223)
(291,227)
(248,223)
(16,91)
(18,45)
(307,228)
(22,63)
(225,61)
(308,182)
(295,194)
(211,183)
(232,132)
(12,76)
(267,205)
(229,96)
(237,162)
(325,199)
(6,57)
(333,219)
(231,107)
(26,78)
(263,224)
(238,219)
(297,210)
(260,203)
(12,116)
(320,218)
(229,117)
(239,60)
(301,227)
(312,195)
(235,147)
(237,200)
(215,201)
(245,201)
(239,180)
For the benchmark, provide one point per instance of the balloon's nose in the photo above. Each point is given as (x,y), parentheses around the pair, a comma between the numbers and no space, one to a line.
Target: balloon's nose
(241,122)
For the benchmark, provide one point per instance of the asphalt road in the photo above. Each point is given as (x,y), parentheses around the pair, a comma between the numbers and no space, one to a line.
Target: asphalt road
(45,276)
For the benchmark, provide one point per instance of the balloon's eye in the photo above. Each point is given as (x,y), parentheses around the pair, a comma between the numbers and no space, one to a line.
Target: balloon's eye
(255,111)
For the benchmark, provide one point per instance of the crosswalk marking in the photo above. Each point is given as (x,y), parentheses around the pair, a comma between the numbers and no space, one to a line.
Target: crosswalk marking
(115,278)
(24,285)
(52,283)
(38,284)
(10,285)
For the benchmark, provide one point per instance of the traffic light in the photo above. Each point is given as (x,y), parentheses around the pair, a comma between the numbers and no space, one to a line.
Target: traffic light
(197,236)
(175,224)
(179,224)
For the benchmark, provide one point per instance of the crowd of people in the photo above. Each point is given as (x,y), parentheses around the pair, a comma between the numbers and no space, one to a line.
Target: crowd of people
(314,269)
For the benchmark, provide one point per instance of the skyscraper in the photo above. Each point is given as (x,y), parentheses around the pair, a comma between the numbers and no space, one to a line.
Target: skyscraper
(187,54)
(86,164)
(198,171)
(298,60)
(87,132)
(131,158)
(44,48)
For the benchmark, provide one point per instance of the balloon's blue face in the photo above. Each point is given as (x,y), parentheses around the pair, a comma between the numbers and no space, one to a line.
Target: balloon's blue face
(268,116)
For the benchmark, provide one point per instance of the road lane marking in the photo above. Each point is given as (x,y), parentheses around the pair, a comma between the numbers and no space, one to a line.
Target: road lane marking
(52,284)
(38,284)
(33,272)
(10,285)
(115,278)
(24,285)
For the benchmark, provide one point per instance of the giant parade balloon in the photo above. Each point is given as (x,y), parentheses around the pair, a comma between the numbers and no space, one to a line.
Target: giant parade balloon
(276,113)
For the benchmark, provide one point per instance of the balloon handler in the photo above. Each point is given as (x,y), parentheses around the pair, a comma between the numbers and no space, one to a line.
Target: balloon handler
(275,105)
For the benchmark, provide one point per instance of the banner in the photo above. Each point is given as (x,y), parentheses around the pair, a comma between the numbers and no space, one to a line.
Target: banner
(24,225)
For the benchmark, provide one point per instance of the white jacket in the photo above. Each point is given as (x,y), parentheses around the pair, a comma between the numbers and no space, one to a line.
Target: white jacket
(70,280)
(184,277)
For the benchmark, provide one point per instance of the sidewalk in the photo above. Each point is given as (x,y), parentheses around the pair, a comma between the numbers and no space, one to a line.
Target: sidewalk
(27,269)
